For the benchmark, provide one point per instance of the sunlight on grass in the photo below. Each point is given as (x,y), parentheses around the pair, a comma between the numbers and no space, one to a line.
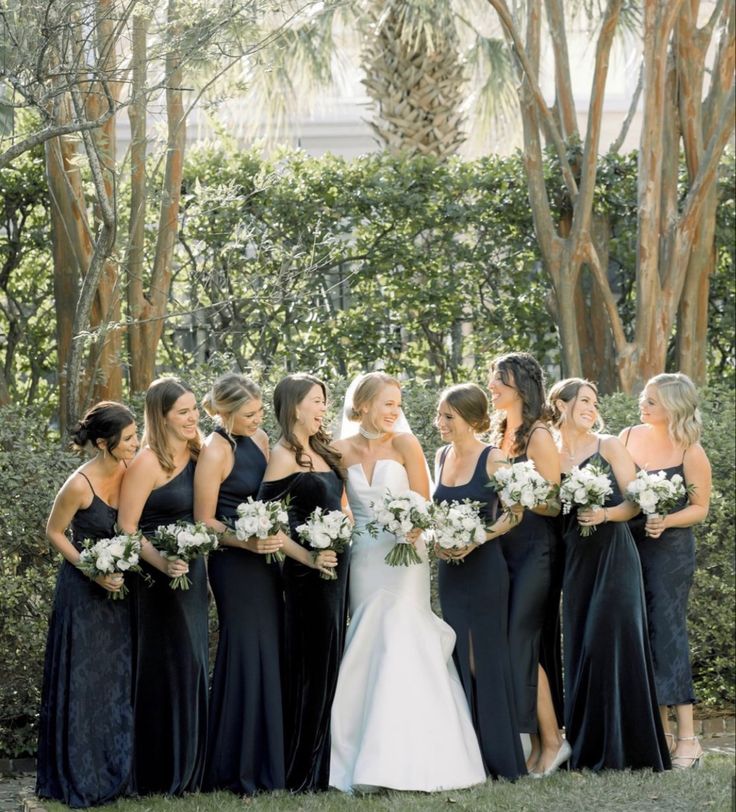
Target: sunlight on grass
(709,789)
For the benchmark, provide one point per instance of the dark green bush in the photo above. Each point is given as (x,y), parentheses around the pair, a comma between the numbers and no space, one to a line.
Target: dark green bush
(32,468)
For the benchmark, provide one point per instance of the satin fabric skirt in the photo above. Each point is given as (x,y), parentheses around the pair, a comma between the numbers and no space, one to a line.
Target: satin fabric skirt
(315,623)
(611,716)
(474,596)
(668,565)
(245,753)
(85,747)
(170,683)
(528,550)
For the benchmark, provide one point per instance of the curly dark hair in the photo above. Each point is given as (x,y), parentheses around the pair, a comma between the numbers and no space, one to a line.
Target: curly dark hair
(521,371)
(287,395)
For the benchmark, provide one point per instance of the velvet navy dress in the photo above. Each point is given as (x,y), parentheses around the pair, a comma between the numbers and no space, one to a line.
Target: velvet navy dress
(85,746)
(474,596)
(170,659)
(668,567)
(529,550)
(246,740)
(611,716)
(315,623)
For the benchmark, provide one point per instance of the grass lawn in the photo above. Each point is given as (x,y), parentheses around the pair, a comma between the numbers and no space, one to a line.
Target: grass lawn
(710,788)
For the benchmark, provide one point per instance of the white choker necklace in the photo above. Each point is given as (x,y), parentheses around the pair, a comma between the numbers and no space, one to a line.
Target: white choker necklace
(369,435)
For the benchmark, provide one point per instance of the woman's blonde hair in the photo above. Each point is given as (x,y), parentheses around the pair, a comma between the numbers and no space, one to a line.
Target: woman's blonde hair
(679,397)
(228,394)
(567,391)
(367,390)
(161,396)
(471,403)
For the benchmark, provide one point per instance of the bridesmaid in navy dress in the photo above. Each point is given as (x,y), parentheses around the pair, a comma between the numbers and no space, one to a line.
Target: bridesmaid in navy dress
(517,394)
(85,745)
(306,468)
(474,595)
(170,625)
(245,753)
(668,439)
(611,716)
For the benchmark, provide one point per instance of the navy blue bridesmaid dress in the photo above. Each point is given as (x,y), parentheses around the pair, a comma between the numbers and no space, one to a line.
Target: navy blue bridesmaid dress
(474,596)
(611,716)
(85,746)
(170,659)
(315,625)
(246,740)
(529,550)
(668,567)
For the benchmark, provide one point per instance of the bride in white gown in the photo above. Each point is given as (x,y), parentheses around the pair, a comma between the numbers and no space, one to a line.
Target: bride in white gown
(399,718)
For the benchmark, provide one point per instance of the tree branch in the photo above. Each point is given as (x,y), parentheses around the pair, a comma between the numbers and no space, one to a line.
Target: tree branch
(618,143)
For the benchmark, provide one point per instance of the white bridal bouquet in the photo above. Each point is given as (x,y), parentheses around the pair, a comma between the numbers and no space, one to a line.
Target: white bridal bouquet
(585,487)
(655,494)
(107,556)
(400,515)
(520,484)
(262,519)
(184,540)
(457,524)
(326,530)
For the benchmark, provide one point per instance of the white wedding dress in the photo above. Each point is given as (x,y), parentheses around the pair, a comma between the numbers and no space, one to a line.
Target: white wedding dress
(399,718)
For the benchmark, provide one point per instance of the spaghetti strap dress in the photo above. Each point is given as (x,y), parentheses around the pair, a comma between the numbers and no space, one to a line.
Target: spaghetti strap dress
(529,551)
(85,743)
(611,716)
(668,567)
(246,740)
(474,596)
(170,659)
(314,637)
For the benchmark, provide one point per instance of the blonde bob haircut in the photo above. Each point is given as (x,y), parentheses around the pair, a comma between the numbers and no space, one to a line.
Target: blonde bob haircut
(679,397)
(471,403)
(367,391)
(229,393)
(161,396)
(567,391)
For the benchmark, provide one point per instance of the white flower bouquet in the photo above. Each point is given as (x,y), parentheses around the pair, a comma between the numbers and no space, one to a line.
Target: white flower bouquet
(457,524)
(261,520)
(585,487)
(119,554)
(186,541)
(520,484)
(326,530)
(655,494)
(400,515)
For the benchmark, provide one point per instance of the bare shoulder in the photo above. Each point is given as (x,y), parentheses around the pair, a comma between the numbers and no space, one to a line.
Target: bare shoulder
(406,445)
(145,466)
(611,447)
(281,463)
(631,431)
(260,438)
(215,448)
(540,438)
(76,492)
(696,456)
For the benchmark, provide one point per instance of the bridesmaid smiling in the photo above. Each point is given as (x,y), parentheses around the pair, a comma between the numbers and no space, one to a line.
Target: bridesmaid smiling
(246,743)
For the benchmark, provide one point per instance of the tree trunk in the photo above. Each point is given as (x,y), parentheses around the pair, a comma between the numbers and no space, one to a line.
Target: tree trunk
(149,311)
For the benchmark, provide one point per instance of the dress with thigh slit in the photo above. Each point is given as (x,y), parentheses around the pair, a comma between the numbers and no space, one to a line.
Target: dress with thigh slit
(474,595)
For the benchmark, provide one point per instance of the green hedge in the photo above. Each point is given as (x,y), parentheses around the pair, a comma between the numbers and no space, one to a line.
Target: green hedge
(32,468)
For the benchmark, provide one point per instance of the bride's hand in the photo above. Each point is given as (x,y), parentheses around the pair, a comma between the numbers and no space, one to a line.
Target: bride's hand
(413,535)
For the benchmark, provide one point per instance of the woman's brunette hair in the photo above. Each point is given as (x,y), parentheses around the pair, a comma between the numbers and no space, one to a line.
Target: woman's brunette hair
(471,403)
(567,391)
(287,395)
(522,372)
(679,398)
(103,421)
(161,396)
